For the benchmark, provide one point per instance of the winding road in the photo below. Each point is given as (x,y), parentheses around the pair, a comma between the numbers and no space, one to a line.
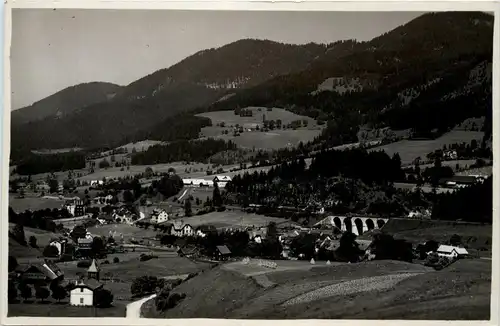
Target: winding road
(134,308)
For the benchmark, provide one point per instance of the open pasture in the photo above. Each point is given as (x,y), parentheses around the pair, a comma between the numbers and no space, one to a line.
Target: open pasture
(228,219)
(258,113)
(33,203)
(128,231)
(43,237)
(274,139)
(370,290)
(411,149)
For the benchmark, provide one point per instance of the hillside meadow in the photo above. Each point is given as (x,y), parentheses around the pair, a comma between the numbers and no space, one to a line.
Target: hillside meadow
(409,150)
(371,290)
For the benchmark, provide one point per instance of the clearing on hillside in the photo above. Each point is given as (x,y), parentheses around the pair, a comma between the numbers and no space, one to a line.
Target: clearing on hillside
(273,139)
(409,150)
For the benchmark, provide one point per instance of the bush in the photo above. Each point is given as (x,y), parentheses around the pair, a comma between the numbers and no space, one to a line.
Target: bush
(143,285)
(51,251)
(116,260)
(42,293)
(145,257)
(106,262)
(33,242)
(103,298)
(83,264)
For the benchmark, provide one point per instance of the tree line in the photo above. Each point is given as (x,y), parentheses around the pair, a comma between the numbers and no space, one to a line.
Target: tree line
(198,151)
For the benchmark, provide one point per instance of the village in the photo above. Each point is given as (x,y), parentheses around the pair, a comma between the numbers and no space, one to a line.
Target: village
(96,233)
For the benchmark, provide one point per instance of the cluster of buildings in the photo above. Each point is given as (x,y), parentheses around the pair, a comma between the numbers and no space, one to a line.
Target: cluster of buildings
(220,180)
(462,181)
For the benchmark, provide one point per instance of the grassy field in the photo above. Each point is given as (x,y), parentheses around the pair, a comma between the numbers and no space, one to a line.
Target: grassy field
(230,119)
(63,310)
(420,293)
(141,145)
(33,203)
(128,231)
(230,218)
(477,238)
(43,237)
(22,253)
(411,149)
(274,139)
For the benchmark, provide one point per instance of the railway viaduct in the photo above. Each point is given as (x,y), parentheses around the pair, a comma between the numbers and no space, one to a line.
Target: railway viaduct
(356,224)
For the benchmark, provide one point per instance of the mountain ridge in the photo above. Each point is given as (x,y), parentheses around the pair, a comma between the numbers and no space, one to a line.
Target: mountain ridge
(379,69)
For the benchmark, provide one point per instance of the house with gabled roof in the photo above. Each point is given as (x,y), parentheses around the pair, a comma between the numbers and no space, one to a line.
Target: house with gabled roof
(452,251)
(82,293)
(39,273)
(221,180)
(222,252)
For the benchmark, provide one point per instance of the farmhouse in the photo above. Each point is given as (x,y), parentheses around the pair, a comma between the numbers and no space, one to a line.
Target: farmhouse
(75,207)
(83,293)
(451,251)
(159,216)
(124,216)
(179,229)
(221,180)
(39,273)
(60,245)
(222,253)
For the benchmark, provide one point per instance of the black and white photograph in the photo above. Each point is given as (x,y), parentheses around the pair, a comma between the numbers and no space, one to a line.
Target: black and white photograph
(251,165)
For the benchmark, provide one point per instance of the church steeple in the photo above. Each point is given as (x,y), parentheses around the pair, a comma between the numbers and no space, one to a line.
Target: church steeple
(93,271)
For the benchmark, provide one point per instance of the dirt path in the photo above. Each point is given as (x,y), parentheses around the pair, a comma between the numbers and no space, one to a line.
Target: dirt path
(134,308)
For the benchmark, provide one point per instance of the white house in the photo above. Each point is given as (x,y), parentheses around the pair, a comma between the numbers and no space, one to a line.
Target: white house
(451,251)
(159,216)
(60,245)
(83,293)
(96,183)
(180,229)
(221,180)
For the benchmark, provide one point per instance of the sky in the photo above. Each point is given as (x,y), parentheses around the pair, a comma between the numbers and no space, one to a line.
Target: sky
(55,49)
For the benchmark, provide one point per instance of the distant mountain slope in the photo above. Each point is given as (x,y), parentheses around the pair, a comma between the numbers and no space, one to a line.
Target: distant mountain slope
(428,66)
(236,65)
(197,81)
(66,102)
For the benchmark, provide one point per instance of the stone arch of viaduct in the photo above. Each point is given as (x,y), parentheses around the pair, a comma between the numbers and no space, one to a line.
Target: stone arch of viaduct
(356,225)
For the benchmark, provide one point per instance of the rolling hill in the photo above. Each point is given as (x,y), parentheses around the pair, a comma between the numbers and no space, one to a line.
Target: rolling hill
(65,102)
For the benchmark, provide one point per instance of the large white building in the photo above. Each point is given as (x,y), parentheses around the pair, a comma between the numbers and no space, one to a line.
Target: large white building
(180,229)
(159,216)
(83,293)
(221,180)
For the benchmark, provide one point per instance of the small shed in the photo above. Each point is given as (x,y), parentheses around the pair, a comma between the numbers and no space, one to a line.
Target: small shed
(82,293)
(222,252)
